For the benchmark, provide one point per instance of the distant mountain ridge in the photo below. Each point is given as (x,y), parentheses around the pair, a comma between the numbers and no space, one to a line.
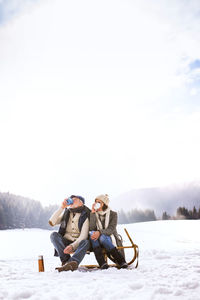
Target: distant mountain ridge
(160,199)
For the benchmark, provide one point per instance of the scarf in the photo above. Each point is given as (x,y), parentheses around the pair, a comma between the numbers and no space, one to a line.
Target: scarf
(106,214)
(77,209)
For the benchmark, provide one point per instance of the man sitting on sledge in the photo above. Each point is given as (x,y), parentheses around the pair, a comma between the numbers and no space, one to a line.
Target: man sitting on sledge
(103,233)
(72,237)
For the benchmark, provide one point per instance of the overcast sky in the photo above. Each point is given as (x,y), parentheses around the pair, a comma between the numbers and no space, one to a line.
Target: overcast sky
(98,96)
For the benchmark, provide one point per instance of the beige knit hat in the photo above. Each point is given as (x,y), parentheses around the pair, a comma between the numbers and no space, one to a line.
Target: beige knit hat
(104,198)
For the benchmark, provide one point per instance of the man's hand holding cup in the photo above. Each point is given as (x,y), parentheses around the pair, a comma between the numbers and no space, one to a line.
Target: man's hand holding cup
(67,202)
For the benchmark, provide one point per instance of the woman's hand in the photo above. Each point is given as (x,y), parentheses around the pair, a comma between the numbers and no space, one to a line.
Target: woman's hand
(95,235)
(93,209)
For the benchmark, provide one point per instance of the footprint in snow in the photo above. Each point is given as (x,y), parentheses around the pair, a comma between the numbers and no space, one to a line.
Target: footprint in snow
(163,291)
(136,286)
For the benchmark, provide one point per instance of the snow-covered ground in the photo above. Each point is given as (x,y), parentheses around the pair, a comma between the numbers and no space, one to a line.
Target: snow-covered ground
(169,266)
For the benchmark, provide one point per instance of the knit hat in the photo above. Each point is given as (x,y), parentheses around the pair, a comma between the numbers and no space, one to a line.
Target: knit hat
(79,197)
(104,198)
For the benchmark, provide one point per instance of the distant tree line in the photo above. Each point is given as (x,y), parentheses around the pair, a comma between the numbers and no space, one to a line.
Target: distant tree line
(183,213)
(21,212)
(136,215)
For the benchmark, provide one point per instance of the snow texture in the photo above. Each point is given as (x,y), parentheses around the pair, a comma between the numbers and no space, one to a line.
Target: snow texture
(169,266)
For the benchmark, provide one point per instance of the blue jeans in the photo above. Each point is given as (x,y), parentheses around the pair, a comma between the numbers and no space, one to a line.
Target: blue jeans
(103,241)
(60,243)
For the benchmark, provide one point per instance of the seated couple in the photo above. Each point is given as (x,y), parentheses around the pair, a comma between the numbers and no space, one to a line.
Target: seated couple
(77,223)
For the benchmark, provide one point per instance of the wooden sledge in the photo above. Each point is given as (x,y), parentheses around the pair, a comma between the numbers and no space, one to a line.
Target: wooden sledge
(135,255)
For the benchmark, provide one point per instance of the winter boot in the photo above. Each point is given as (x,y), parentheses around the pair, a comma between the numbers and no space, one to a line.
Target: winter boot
(118,257)
(100,258)
(69,266)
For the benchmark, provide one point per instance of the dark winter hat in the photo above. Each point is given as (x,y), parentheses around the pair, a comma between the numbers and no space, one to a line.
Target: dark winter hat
(80,197)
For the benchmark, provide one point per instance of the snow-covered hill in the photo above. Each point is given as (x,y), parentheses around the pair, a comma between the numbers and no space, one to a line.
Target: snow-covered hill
(169,266)
(161,199)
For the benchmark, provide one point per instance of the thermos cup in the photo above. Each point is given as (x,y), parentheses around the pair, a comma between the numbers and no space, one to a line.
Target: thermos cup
(70,201)
(97,205)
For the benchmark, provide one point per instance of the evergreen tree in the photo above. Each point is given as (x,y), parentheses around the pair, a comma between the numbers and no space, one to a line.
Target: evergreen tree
(122,217)
(194,213)
(165,216)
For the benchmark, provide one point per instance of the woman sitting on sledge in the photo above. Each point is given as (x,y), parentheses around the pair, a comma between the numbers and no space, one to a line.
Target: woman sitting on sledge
(103,233)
